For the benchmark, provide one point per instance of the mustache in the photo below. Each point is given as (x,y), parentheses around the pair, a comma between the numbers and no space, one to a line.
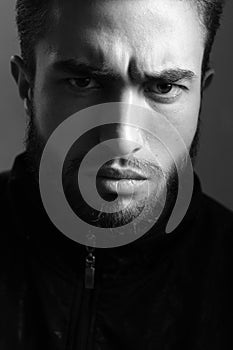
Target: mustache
(133,164)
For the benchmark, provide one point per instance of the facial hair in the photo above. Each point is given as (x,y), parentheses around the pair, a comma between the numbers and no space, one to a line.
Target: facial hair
(160,201)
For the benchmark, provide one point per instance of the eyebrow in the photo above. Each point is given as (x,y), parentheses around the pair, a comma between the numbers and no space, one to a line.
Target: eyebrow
(172,75)
(72,66)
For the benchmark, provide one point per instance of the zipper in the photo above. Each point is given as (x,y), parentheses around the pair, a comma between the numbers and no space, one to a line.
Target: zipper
(90,268)
(86,319)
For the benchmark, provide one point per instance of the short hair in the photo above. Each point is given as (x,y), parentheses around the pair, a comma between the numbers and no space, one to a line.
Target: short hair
(32,19)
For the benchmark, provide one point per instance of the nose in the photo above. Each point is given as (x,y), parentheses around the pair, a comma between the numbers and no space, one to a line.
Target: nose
(127,136)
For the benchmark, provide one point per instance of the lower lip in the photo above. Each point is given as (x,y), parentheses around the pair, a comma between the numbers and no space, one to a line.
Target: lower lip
(120,186)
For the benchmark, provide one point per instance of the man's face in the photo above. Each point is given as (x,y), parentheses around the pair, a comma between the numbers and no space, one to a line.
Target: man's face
(143,52)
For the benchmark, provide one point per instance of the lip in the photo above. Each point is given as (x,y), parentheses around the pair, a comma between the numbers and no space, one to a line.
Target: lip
(115,180)
(121,181)
(120,186)
(120,174)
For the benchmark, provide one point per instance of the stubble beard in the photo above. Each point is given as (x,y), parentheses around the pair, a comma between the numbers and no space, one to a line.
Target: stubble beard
(156,206)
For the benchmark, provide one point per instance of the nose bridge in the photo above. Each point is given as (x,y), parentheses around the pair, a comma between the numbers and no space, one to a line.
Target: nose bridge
(124,113)
(128,138)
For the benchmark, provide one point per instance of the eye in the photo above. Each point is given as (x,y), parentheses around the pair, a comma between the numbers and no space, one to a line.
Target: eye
(161,88)
(82,83)
(164,92)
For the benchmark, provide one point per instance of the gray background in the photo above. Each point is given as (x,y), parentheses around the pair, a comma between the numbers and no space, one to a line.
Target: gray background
(215,164)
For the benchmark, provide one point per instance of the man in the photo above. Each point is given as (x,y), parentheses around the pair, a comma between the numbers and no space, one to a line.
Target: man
(160,291)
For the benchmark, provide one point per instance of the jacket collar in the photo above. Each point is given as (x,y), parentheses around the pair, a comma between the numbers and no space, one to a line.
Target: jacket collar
(35,227)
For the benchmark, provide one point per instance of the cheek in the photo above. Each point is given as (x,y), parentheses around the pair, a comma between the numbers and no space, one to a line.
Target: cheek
(187,126)
(53,106)
(50,111)
(46,111)
(184,117)
(180,125)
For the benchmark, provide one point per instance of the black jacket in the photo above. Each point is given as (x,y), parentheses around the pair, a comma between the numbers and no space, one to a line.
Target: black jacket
(162,292)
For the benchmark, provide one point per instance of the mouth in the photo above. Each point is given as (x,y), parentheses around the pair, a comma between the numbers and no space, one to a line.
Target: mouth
(120,174)
(122,182)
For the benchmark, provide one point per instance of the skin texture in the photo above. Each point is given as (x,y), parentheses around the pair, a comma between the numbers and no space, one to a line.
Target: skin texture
(129,40)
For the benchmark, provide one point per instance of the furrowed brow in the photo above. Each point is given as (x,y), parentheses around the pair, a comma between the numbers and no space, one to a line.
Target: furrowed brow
(71,66)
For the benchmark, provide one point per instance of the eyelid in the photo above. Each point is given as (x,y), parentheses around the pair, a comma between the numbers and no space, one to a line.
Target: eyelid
(179,82)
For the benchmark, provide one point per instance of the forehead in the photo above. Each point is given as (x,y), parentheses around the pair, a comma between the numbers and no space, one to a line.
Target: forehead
(157,34)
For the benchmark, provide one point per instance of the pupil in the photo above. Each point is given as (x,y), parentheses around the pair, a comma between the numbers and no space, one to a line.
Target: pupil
(164,88)
(83,82)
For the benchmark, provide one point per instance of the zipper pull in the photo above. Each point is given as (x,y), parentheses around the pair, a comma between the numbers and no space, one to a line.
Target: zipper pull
(90,269)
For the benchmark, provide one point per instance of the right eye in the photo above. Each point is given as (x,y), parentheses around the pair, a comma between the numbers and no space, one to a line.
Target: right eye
(82,83)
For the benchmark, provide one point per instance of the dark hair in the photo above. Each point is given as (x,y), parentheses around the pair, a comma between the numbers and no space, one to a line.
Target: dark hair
(33,20)
(210,12)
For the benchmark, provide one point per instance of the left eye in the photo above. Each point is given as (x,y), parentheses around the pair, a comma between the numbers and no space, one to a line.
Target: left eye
(82,83)
(161,88)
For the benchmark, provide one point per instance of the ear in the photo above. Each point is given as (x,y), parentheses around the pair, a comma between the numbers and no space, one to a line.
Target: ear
(21,77)
(208,78)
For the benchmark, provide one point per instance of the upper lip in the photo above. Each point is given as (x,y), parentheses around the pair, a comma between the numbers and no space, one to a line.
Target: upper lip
(113,173)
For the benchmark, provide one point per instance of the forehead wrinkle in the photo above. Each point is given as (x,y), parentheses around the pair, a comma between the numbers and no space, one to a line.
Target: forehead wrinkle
(114,19)
(117,52)
(112,58)
(120,44)
(159,56)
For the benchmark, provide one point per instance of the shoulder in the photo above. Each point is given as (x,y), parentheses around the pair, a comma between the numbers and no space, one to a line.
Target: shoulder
(11,246)
(216,236)
(6,218)
(217,215)
(4,179)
